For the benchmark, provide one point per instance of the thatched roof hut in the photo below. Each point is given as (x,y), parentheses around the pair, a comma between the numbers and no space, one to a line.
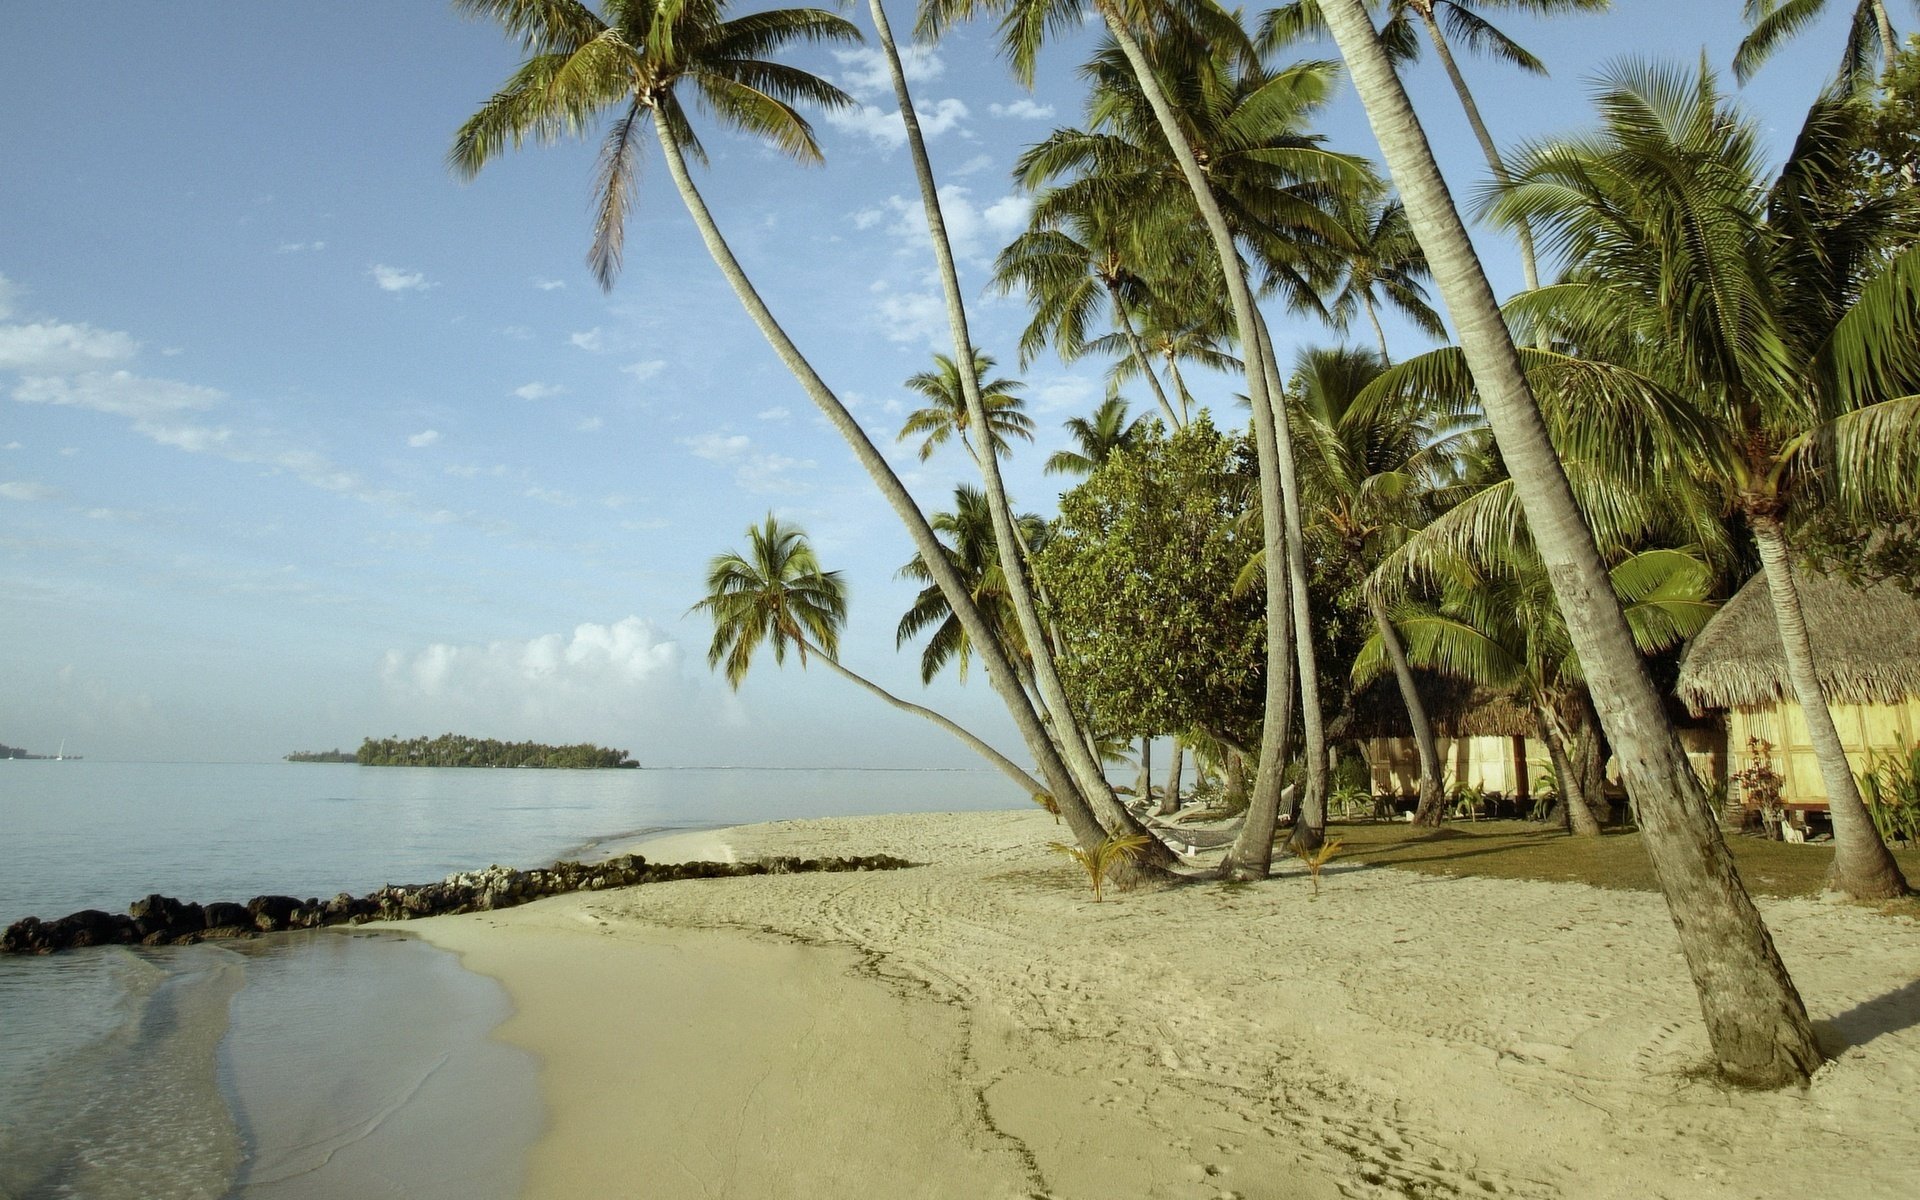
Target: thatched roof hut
(1866,643)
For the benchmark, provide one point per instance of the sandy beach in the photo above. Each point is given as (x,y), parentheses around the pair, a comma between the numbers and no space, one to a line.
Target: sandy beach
(977,1027)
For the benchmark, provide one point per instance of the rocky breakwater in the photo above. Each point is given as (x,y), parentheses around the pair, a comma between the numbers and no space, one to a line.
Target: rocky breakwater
(164,921)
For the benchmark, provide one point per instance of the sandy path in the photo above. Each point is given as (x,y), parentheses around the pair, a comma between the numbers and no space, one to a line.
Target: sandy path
(1401,1035)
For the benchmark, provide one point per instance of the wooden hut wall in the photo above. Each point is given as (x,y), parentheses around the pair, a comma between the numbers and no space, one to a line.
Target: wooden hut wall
(1865,730)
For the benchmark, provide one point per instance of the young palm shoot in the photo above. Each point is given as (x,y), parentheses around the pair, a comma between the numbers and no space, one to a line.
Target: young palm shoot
(1102,859)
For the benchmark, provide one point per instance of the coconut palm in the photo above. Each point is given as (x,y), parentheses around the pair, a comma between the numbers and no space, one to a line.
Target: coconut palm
(1755,1019)
(1870,37)
(1097,437)
(1188,325)
(946,414)
(1301,17)
(1081,764)
(633,62)
(967,540)
(776,595)
(1379,262)
(1790,340)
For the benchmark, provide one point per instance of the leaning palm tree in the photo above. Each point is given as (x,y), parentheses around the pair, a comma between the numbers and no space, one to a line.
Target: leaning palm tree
(1096,438)
(1378,261)
(1301,17)
(967,540)
(1770,23)
(776,595)
(945,415)
(634,62)
(1790,342)
(1756,1021)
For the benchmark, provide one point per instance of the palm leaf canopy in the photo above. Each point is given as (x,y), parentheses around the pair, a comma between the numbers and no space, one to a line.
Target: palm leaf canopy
(773,594)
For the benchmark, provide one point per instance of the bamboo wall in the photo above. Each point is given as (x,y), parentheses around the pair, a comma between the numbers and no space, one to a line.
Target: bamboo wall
(1864,730)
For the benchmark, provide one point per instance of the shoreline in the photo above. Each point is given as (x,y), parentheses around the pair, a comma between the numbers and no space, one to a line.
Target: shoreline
(980,1024)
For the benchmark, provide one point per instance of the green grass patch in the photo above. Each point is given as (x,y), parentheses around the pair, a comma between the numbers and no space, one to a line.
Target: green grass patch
(1522,850)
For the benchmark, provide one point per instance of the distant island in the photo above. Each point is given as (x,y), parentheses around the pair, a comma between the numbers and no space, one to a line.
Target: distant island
(458,750)
(7,751)
(332,756)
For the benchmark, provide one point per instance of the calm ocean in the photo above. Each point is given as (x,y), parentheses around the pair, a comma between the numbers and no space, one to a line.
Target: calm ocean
(326,1064)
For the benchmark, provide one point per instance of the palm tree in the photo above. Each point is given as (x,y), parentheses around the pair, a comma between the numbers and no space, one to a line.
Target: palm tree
(1379,262)
(967,541)
(1755,1019)
(1372,473)
(946,414)
(1870,37)
(633,62)
(1083,767)
(1097,437)
(1298,17)
(776,595)
(1789,344)
(1185,326)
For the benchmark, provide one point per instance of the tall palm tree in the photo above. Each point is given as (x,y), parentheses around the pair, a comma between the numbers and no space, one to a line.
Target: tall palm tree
(1176,326)
(776,595)
(967,540)
(633,62)
(1372,474)
(946,413)
(1756,1021)
(1870,37)
(1083,767)
(1790,341)
(1097,437)
(1299,17)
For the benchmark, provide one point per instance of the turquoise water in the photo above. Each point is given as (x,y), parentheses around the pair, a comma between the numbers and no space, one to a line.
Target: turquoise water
(329,1064)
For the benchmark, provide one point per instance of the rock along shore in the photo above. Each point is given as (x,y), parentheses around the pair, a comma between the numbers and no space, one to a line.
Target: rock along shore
(164,921)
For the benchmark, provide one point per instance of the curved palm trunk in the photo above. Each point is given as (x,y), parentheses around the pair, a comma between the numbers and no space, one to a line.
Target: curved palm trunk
(1529,264)
(1085,768)
(1572,799)
(1139,349)
(1079,816)
(1311,831)
(1432,809)
(1380,334)
(1170,799)
(1273,736)
(1755,1019)
(1180,387)
(1863,867)
(1251,855)
(1884,24)
(1007,767)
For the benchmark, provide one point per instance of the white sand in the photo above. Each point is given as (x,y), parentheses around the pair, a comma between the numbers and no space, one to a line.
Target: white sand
(978,1028)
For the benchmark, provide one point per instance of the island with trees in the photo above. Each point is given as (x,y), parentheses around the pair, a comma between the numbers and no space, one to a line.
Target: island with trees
(459,750)
(323,756)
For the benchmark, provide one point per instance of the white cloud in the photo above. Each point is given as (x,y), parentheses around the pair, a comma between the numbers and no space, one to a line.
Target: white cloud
(19,490)
(867,218)
(909,317)
(549,285)
(973,166)
(520,332)
(753,471)
(300,248)
(194,439)
(976,230)
(47,347)
(644,371)
(866,73)
(11,446)
(549,496)
(604,683)
(1065,393)
(772,414)
(1022,110)
(591,340)
(884,126)
(398,279)
(589,425)
(538,391)
(426,437)
(119,392)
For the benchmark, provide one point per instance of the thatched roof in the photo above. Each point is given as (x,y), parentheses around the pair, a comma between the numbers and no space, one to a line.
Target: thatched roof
(1456,709)
(1866,645)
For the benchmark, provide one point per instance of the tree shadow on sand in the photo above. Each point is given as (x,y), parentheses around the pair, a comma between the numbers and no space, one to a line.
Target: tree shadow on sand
(1891,1013)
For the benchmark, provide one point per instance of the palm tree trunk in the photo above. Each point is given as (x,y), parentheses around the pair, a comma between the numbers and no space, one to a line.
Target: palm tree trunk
(1529,264)
(1432,809)
(1755,1019)
(1074,808)
(1273,737)
(1180,387)
(1139,350)
(1032,786)
(1889,45)
(1863,867)
(1373,316)
(1170,799)
(1308,833)
(1572,785)
(1085,769)
(1562,811)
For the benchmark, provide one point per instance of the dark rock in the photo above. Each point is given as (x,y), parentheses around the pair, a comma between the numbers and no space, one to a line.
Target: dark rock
(272,913)
(221,913)
(164,914)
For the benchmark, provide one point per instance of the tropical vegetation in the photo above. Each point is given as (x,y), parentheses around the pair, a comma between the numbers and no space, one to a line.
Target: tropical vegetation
(460,750)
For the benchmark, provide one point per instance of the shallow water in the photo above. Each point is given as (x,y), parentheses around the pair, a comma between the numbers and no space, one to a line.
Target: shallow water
(336,1063)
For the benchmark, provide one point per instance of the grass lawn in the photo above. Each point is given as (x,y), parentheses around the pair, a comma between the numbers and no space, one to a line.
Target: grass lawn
(1522,850)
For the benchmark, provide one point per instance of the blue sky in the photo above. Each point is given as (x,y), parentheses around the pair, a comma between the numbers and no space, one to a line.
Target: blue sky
(303,440)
